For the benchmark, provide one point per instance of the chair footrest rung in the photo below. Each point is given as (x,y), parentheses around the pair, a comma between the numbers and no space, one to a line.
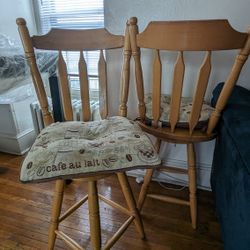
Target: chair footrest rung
(169,199)
(70,242)
(73,208)
(118,233)
(172,170)
(114,205)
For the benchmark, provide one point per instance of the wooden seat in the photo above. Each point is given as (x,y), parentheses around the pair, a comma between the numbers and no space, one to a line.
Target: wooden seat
(81,41)
(180,36)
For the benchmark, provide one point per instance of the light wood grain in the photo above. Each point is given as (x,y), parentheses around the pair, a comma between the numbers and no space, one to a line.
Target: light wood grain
(201,86)
(58,39)
(128,195)
(64,88)
(56,209)
(103,92)
(81,41)
(156,88)
(195,35)
(133,32)
(94,216)
(192,183)
(84,88)
(147,179)
(125,77)
(36,77)
(177,84)
(229,84)
(71,243)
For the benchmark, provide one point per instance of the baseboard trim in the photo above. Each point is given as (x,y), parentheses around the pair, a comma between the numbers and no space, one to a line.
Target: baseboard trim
(18,144)
(203,174)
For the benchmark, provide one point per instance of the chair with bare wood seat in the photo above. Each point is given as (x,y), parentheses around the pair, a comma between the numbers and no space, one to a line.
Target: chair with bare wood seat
(90,150)
(176,118)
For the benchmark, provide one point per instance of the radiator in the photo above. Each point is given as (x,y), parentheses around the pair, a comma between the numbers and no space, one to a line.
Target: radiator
(37,116)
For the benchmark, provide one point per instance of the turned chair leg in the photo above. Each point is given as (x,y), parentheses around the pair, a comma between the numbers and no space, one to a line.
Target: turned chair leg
(56,210)
(126,189)
(192,184)
(94,216)
(147,179)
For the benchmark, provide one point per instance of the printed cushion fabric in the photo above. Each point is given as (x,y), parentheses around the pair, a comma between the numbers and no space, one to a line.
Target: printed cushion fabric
(73,149)
(185,111)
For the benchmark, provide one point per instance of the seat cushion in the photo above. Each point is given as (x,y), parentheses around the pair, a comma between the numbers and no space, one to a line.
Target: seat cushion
(73,149)
(185,111)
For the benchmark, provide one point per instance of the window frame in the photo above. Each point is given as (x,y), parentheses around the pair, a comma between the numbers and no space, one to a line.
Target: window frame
(72,75)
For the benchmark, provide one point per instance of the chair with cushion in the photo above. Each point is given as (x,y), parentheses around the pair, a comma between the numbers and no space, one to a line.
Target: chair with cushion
(176,118)
(91,150)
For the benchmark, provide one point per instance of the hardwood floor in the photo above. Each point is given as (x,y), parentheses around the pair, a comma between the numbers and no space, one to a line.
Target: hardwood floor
(25,214)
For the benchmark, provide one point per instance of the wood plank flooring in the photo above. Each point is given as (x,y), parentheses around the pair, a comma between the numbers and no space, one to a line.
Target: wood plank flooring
(25,215)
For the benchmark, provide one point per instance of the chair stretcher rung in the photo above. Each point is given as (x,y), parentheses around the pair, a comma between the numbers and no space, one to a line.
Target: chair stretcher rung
(70,242)
(73,208)
(173,170)
(168,199)
(118,234)
(114,205)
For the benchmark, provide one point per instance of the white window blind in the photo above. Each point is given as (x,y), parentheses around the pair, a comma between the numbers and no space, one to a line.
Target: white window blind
(73,14)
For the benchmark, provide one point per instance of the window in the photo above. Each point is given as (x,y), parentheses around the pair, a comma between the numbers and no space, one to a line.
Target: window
(73,14)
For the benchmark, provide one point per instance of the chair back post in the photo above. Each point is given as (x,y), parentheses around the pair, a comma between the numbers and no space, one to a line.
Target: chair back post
(229,84)
(125,75)
(36,77)
(133,31)
(81,41)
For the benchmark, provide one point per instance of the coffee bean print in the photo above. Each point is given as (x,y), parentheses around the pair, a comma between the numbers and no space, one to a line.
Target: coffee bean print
(72,130)
(81,151)
(113,158)
(146,154)
(106,163)
(29,165)
(40,171)
(129,157)
(67,137)
(96,145)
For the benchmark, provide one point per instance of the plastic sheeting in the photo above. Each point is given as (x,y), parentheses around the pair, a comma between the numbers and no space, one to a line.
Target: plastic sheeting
(17,94)
(14,69)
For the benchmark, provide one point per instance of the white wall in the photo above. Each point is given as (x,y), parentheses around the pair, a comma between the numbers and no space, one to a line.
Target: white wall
(9,11)
(237,12)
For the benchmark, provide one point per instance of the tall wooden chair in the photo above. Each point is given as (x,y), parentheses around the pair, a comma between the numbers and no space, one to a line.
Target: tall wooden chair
(174,118)
(90,150)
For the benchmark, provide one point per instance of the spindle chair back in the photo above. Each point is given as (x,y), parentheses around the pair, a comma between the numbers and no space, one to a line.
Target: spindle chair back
(184,122)
(83,142)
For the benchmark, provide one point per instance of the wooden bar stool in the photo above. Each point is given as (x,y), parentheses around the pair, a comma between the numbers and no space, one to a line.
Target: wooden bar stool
(173,118)
(90,150)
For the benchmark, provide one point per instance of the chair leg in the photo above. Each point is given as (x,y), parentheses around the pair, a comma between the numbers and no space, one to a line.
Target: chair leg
(56,210)
(144,188)
(94,216)
(192,183)
(147,179)
(126,189)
